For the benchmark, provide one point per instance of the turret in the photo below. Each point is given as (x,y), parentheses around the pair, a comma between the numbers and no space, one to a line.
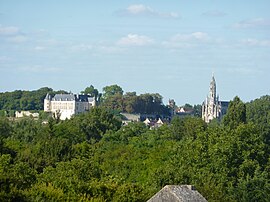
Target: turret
(47,103)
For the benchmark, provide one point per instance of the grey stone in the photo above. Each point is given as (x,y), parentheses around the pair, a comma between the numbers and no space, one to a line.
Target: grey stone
(178,193)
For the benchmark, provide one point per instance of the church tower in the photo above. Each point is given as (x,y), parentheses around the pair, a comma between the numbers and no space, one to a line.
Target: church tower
(210,107)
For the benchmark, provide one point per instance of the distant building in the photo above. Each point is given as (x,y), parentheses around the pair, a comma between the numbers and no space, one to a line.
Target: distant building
(178,193)
(153,123)
(20,114)
(66,105)
(130,117)
(213,108)
(172,106)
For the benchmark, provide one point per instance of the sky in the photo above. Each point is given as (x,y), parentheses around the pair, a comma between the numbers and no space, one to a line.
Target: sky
(167,47)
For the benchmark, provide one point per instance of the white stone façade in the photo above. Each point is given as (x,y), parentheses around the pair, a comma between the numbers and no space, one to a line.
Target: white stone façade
(213,108)
(67,105)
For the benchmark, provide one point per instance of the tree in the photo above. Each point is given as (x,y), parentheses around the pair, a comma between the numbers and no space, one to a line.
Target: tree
(197,110)
(14,178)
(5,131)
(112,90)
(92,91)
(236,113)
(150,104)
(124,134)
(97,122)
(114,102)
(129,102)
(258,110)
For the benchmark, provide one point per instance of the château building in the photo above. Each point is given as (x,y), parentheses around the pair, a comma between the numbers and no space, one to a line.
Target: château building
(67,105)
(213,108)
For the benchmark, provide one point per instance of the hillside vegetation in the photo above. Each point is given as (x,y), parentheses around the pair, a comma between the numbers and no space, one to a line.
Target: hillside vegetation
(112,97)
(91,157)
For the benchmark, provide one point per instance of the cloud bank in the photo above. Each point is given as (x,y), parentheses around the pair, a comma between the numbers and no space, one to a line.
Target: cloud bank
(253,23)
(135,40)
(143,10)
(10,30)
(214,13)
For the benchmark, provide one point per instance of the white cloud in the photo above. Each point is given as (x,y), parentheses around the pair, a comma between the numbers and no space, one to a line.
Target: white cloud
(81,47)
(253,23)
(244,71)
(135,40)
(40,48)
(51,42)
(12,34)
(8,30)
(142,10)
(18,39)
(199,36)
(111,49)
(255,42)
(39,68)
(139,8)
(214,13)
(4,59)
(40,34)
(187,40)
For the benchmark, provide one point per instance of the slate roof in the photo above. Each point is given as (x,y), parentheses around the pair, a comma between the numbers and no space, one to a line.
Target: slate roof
(72,97)
(178,193)
(64,97)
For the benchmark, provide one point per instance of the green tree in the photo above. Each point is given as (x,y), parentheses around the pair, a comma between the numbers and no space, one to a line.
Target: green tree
(97,122)
(112,90)
(114,102)
(5,131)
(127,132)
(236,113)
(258,110)
(14,179)
(129,102)
(188,127)
(92,91)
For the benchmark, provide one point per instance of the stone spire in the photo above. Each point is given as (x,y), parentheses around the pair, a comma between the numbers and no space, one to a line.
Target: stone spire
(210,108)
(213,108)
(212,92)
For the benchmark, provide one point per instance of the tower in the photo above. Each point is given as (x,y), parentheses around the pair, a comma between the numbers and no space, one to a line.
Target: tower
(212,91)
(210,107)
(47,103)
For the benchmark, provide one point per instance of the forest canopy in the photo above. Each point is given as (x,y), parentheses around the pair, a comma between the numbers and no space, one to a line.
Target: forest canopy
(91,157)
(112,97)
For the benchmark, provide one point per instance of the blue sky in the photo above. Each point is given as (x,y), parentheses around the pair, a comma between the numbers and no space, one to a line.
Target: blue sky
(167,47)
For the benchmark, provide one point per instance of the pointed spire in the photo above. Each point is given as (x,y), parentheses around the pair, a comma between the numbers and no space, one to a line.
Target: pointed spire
(48,97)
(213,78)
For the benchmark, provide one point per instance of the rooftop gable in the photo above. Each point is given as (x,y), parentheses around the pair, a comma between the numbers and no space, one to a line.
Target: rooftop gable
(178,193)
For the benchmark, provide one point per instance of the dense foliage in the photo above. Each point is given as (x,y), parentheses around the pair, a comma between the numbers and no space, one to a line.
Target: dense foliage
(92,158)
(113,98)
(25,100)
(138,104)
